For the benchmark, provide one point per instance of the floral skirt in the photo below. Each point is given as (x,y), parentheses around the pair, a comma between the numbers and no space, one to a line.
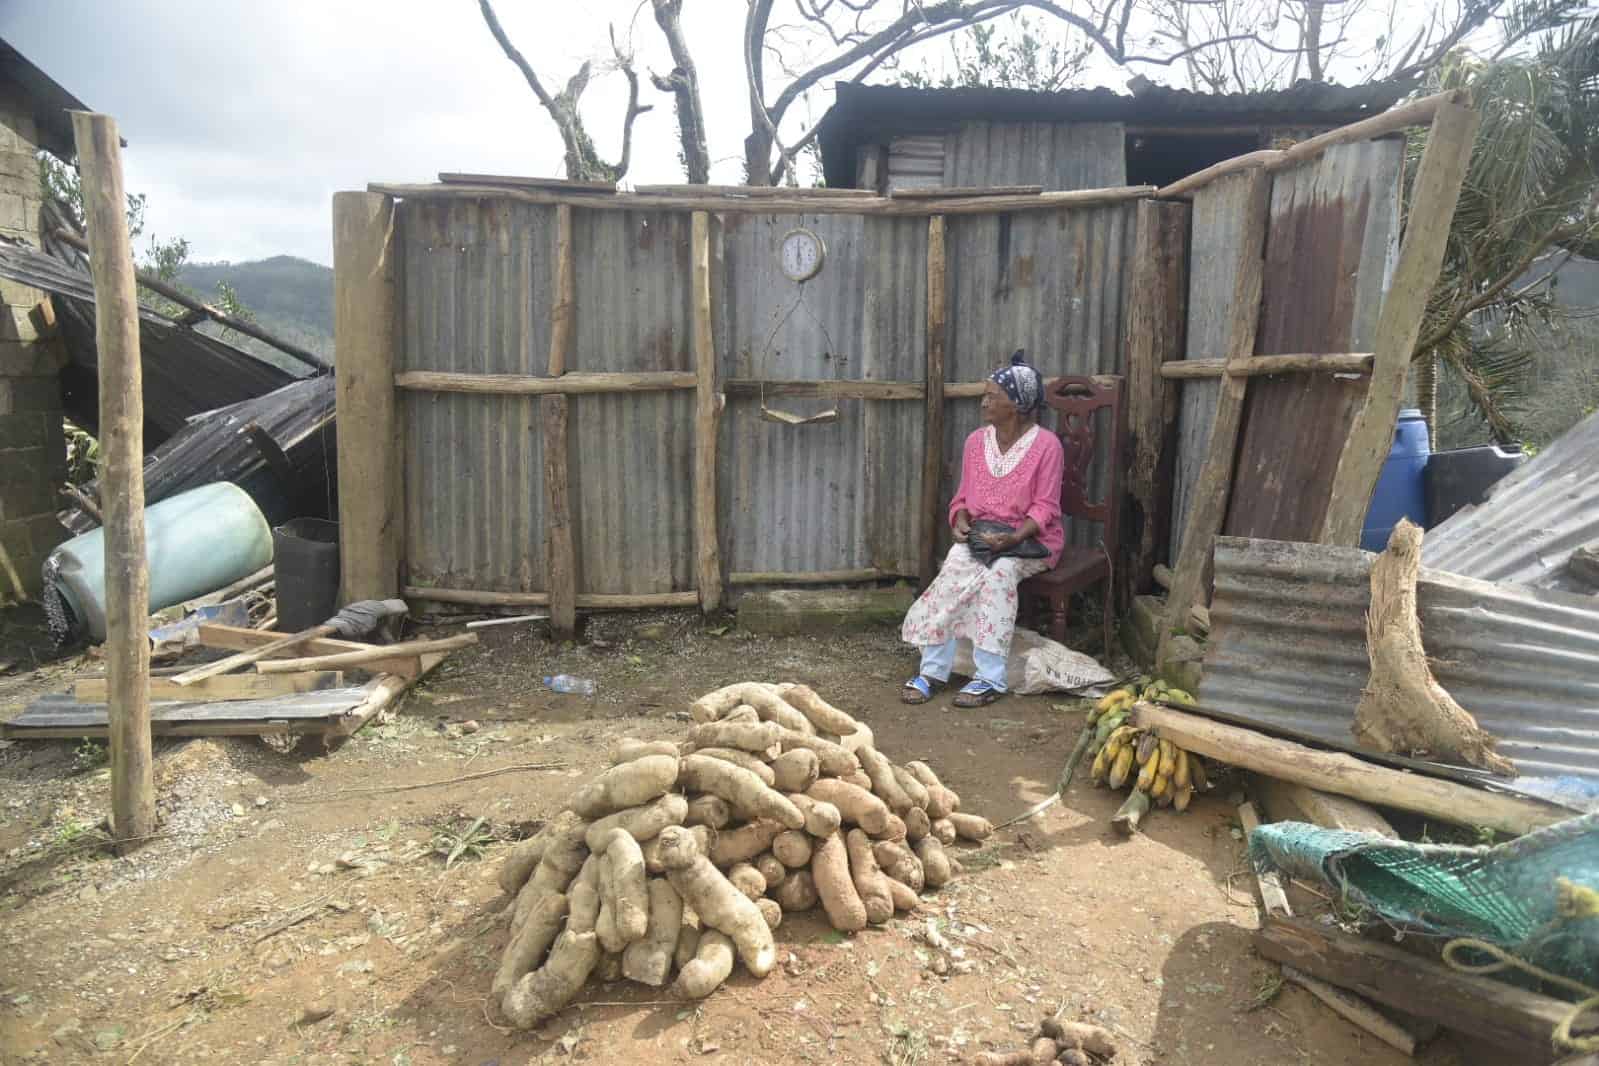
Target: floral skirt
(970,601)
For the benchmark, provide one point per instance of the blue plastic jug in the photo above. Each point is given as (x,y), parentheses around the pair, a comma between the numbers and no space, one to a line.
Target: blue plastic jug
(1402,487)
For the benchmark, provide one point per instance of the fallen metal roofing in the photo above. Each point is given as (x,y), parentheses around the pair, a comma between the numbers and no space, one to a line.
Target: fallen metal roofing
(45,99)
(861,113)
(1532,520)
(60,715)
(1288,649)
(186,372)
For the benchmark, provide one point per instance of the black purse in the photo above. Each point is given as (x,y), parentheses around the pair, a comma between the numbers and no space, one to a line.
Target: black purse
(1027,549)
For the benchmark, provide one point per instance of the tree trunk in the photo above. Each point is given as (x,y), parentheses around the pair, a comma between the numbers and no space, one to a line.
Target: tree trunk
(758,158)
(1427,395)
(684,85)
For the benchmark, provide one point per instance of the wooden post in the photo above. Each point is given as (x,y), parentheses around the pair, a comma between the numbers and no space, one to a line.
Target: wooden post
(933,422)
(707,405)
(1434,195)
(1157,317)
(560,554)
(364,330)
(1209,507)
(127,579)
(1272,897)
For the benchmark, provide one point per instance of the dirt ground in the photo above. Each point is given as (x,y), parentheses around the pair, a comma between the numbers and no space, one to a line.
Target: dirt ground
(294,908)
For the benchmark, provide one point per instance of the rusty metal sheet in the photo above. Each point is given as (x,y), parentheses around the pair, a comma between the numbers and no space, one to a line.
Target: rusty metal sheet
(1287,648)
(1330,251)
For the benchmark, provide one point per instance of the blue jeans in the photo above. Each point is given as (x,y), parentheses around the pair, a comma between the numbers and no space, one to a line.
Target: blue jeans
(939,659)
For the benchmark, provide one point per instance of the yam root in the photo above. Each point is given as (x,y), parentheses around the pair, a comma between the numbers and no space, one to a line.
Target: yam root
(796,770)
(528,945)
(526,855)
(546,991)
(941,802)
(744,843)
(641,823)
(917,824)
(649,961)
(821,819)
(688,941)
(823,715)
(1089,1038)
(1403,708)
(623,887)
(831,871)
(797,892)
(771,868)
(708,810)
(583,897)
(629,785)
(609,969)
(912,788)
(563,858)
(870,883)
(936,871)
(905,897)
(860,779)
(745,793)
(923,773)
(834,760)
(627,749)
(741,714)
(719,905)
(767,704)
(793,848)
(742,759)
(884,784)
(711,965)
(772,911)
(1041,1052)
(894,829)
(944,831)
(971,826)
(856,805)
(748,880)
(705,839)
(899,862)
(741,736)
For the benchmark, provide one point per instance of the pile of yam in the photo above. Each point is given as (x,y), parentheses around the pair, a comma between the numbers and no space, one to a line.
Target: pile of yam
(679,861)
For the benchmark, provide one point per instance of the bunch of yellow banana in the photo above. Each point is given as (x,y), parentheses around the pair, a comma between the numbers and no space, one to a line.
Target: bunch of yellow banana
(1124,754)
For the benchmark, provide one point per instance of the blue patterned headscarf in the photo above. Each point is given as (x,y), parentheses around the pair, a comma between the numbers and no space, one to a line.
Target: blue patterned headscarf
(1021,383)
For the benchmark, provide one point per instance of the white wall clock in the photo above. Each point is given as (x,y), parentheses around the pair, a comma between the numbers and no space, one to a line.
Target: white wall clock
(802,253)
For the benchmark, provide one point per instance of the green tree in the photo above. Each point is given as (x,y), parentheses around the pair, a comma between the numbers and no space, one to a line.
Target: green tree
(1018,54)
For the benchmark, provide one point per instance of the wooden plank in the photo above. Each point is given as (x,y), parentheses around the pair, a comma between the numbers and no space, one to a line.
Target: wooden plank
(707,405)
(121,387)
(297,726)
(1272,897)
(1157,316)
(530,385)
(752,192)
(408,649)
(965,390)
(1500,1014)
(824,389)
(560,184)
(933,521)
(229,687)
(814,577)
(1255,366)
(1214,485)
(1288,802)
(560,552)
(945,192)
(1355,1010)
(588,600)
(240,638)
(364,331)
(1346,775)
(1433,196)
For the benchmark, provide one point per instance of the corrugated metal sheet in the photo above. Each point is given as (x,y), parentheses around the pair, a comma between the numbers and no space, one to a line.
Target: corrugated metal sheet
(309,712)
(1056,155)
(1287,648)
(916,162)
(1532,520)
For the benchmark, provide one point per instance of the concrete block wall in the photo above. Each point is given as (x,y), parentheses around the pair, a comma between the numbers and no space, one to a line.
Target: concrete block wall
(32,449)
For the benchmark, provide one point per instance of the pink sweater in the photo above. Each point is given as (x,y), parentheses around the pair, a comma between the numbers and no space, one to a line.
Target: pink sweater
(1031,490)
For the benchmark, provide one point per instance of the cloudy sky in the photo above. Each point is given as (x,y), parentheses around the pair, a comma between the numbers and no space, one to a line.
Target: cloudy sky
(242,119)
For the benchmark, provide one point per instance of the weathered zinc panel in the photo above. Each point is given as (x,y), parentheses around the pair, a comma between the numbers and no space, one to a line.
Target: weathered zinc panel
(841,494)
(1330,251)
(475,298)
(916,162)
(1049,282)
(1056,155)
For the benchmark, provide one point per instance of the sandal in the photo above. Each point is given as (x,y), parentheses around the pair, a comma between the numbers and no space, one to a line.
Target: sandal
(978,694)
(919,689)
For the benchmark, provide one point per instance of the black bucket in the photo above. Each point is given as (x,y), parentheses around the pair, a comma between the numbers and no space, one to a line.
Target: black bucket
(306,560)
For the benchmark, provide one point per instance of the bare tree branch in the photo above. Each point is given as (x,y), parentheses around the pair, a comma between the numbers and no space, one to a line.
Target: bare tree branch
(684,85)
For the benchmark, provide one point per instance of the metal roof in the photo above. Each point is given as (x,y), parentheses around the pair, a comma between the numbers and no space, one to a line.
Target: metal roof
(1532,520)
(862,114)
(48,101)
(1287,649)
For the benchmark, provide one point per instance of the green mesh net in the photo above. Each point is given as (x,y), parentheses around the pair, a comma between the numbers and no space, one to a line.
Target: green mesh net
(1507,895)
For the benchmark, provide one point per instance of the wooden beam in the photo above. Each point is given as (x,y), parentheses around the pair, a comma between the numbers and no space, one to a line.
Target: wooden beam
(814,577)
(1346,775)
(604,601)
(826,389)
(559,550)
(792,203)
(1355,1010)
(1198,616)
(1255,366)
(1500,1014)
(1214,485)
(240,638)
(409,649)
(1157,316)
(121,387)
(227,687)
(707,405)
(1286,801)
(530,385)
(371,522)
(965,390)
(948,192)
(752,192)
(383,693)
(1434,194)
(933,522)
(1272,897)
(559,184)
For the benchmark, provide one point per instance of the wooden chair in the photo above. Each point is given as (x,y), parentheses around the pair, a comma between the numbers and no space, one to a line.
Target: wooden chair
(1075,400)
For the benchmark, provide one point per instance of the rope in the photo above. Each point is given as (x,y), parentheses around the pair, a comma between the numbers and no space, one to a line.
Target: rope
(1562,1036)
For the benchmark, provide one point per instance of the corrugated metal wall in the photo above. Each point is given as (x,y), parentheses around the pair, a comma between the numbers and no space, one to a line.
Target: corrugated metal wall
(1056,155)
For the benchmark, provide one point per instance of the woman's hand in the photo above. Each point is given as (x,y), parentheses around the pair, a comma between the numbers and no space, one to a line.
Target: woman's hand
(963,526)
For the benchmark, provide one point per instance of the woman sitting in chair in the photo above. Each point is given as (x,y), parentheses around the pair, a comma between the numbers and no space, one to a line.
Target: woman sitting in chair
(1007,527)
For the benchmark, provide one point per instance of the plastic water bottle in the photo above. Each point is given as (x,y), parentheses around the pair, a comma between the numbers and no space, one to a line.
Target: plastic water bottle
(582,686)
